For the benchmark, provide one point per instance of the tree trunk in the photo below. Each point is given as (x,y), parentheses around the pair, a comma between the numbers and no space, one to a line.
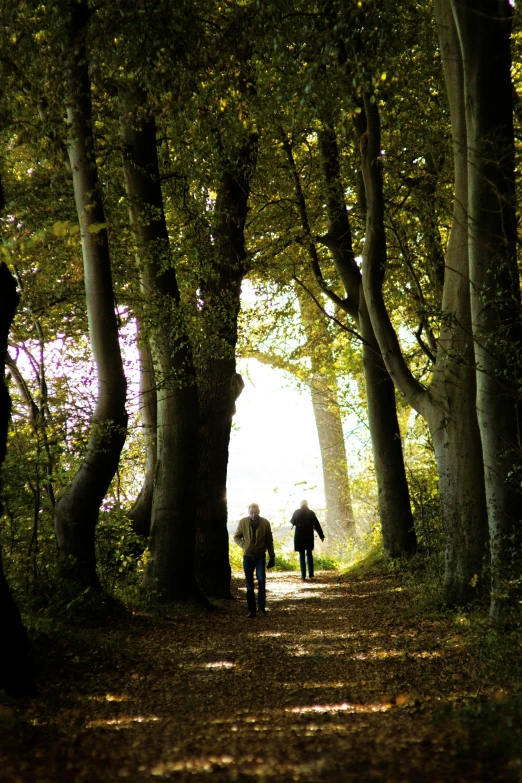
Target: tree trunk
(78,509)
(457,443)
(339,517)
(219,388)
(141,512)
(171,569)
(16,676)
(484,29)
(398,532)
(448,406)
(219,384)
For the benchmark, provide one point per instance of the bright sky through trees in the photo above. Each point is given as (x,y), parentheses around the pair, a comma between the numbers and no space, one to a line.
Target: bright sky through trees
(274,449)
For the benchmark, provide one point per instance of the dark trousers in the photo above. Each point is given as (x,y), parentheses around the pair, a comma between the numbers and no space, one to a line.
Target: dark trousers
(309,559)
(257,565)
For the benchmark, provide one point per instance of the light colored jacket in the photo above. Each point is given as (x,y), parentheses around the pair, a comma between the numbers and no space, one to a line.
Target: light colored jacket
(264,541)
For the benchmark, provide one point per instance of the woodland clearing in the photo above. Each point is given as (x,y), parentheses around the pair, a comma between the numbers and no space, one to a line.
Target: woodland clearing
(344,679)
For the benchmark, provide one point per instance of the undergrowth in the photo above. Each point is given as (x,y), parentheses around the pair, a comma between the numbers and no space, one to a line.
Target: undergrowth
(285,560)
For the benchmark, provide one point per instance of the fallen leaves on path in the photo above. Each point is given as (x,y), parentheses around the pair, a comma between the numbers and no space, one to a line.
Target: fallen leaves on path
(339,682)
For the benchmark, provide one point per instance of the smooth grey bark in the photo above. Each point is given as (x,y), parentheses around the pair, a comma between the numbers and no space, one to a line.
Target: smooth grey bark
(77,511)
(141,512)
(339,516)
(484,29)
(449,403)
(218,382)
(16,675)
(171,569)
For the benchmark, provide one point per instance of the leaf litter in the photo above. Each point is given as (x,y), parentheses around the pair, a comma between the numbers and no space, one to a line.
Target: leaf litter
(341,681)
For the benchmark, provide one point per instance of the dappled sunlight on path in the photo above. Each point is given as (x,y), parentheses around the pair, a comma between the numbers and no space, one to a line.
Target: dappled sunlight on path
(336,683)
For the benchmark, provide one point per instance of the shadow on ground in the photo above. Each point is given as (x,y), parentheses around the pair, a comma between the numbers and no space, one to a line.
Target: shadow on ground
(337,683)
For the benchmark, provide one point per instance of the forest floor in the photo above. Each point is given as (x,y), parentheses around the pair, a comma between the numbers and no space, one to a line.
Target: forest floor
(344,680)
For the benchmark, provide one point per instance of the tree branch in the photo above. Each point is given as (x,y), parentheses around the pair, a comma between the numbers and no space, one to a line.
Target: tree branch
(340,324)
(309,242)
(368,127)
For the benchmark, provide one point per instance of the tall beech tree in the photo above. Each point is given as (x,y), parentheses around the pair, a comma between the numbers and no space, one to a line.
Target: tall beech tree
(219,383)
(171,568)
(394,504)
(448,404)
(213,242)
(77,510)
(339,516)
(393,495)
(475,35)
(477,457)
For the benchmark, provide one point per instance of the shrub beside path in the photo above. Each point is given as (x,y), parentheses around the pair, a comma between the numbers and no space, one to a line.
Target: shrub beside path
(344,680)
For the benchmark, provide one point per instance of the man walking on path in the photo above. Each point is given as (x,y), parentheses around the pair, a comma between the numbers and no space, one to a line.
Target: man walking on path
(254,536)
(305,523)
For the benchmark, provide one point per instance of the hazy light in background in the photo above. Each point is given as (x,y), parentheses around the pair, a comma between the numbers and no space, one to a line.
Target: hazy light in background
(274,449)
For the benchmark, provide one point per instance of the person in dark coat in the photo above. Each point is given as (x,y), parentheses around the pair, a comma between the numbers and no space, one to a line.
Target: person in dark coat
(305,522)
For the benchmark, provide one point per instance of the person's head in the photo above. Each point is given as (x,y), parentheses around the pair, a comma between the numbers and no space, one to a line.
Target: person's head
(304,503)
(253,511)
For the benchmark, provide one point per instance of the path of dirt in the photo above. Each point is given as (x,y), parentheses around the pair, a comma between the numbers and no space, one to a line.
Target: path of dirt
(336,683)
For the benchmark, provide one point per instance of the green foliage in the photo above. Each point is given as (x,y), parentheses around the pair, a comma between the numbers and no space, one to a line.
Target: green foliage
(423,484)
(285,559)
(324,562)
(235,554)
(372,561)
(120,553)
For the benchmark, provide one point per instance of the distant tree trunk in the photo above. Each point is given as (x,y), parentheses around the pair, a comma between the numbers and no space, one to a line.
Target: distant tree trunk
(395,514)
(448,405)
(339,517)
(16,676)
(171,569)
(219,383)
(78,509)
(141,512)
(484,29)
